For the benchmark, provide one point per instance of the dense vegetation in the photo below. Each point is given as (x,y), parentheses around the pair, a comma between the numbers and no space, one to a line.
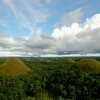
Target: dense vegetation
(51,79)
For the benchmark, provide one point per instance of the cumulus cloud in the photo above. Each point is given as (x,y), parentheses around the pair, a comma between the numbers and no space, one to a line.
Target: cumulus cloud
(6,40)
(80,37)
(38,43)
(71,17)
(73,39)
(7,45)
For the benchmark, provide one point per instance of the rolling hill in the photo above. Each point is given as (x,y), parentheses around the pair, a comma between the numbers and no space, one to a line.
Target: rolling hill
(13,67)
(69,60)
(88,65)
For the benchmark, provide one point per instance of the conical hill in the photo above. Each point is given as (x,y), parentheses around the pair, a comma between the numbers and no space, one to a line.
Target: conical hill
(69,60)
(14,67)
(88,65)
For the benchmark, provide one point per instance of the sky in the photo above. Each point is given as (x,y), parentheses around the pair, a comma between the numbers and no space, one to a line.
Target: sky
(44,28)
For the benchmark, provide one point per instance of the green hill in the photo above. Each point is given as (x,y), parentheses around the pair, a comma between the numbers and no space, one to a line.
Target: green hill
(69,60)
(87,65)
(13,67)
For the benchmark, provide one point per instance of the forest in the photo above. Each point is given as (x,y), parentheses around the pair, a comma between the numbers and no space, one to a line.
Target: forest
(62,78)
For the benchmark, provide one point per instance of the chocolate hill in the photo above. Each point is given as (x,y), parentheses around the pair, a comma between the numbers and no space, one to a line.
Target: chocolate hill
(13,67)
(69,60)
(88,65)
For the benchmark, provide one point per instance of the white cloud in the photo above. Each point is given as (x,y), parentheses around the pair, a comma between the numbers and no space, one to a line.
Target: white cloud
(9,53)
(9,46)
(66,31)
(38,42)
(76,38)
(71,17)
(93,22)
(76,28)
(73,39)
(80,37)
(6,40)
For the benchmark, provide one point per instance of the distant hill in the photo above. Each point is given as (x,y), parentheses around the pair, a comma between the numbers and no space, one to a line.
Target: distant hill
(87,65)
(13,67)
(69,60)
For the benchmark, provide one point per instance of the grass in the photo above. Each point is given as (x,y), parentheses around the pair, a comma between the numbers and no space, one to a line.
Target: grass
(69,60)
(13,66)
(44,96)
(88,65)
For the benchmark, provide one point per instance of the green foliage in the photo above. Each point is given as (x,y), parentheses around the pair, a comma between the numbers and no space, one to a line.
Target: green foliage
(11,88)
(50,79)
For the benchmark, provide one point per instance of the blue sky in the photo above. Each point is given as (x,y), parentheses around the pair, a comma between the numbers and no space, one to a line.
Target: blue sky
(49,27)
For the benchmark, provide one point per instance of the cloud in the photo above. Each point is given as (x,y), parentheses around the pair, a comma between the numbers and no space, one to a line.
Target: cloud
(7,53)
(73,39)
(38,43)
(71,17)
(83,38)
(5,40)
(39,12)
(1,21)
(48,1)
(28,12)
(10,46)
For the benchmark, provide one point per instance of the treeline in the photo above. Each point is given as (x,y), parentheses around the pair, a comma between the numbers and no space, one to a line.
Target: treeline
(50,79)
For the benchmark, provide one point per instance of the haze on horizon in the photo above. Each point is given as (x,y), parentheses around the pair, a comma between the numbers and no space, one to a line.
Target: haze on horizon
(49,27)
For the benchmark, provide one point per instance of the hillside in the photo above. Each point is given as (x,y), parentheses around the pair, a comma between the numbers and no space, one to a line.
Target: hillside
(88,65)
(69,60)
(13,66)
